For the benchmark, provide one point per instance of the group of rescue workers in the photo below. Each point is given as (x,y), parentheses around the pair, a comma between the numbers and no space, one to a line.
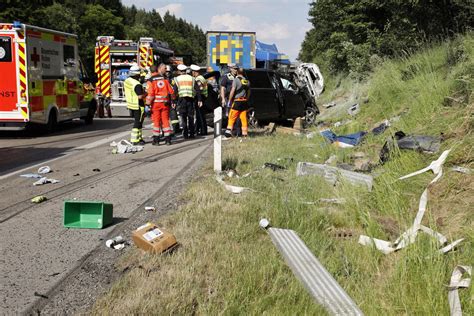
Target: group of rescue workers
(184,94)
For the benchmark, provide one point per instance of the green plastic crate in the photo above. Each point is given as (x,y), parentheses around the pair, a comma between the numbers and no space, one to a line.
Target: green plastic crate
(87,214)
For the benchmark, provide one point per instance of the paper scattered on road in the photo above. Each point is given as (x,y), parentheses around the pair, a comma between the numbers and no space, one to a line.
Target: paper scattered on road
(457,281)
(45,180)
(116,243)
(124,146)
(31,175)
(44,170)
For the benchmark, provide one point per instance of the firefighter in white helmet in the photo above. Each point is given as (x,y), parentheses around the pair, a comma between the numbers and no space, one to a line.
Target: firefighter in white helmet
(134,95)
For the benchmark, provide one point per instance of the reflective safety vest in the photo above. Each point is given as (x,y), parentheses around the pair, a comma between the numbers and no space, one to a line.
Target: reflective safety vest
(159,90)
(203,81)
(185,84)
(130,96)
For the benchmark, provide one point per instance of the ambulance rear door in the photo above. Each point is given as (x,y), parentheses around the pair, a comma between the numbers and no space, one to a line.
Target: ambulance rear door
(11,95)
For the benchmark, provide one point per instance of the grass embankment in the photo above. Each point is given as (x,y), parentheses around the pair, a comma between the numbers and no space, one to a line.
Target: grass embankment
(227,265)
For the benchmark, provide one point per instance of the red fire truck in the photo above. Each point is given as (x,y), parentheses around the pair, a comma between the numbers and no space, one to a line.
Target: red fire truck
(113,59)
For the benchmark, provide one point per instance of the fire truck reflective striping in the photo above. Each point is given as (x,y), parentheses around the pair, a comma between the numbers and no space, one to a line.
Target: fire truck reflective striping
(143,56)
(96,61)
(104,70)
(150,57)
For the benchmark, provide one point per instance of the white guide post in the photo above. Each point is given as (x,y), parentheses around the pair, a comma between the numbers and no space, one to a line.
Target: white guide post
(218,139)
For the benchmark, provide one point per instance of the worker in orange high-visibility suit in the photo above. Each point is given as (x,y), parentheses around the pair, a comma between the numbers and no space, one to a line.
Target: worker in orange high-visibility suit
(238,98)
(159,95)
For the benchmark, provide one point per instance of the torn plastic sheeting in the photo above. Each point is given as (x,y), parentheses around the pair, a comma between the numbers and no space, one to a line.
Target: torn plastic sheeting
(125,146)
(45,180)
(232,188)
(428,144)
(350,139)
(461,170)
(44,170)
(32,176)
(435,166)
(451,246)
(116,243)
(456,283)
(332,174)
(306,267)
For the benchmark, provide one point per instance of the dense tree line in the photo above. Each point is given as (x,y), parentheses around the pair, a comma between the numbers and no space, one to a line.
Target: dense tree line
(351,36)
(90,18)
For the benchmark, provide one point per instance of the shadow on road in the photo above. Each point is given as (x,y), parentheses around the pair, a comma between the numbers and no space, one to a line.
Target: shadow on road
(28,155)
(67,128)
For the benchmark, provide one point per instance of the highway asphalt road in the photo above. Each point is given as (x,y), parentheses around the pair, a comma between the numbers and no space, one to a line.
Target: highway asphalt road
(39,255)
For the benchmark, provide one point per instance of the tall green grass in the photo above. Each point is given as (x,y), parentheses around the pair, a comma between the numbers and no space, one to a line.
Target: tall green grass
(226,265)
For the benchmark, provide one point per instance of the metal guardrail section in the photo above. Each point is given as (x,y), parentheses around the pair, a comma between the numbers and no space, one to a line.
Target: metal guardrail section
(332,174)
(318,281)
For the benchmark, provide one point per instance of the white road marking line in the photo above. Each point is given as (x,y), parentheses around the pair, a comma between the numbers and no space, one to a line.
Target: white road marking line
(98,143)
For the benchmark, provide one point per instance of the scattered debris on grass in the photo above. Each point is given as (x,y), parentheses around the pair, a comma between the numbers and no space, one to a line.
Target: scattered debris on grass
(409,236)
(333,174)
(427,144)
(306,267)
(152,239)
(117,243)
(457,282)
(273,166)
(231,188)
(461,170)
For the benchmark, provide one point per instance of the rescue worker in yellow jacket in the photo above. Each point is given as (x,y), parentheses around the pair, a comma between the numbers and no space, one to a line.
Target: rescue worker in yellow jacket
(201,82)
(238,98)
(185,85)
(134,95)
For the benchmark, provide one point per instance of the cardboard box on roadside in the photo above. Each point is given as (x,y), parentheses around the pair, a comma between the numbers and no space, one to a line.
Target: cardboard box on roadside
(152,239)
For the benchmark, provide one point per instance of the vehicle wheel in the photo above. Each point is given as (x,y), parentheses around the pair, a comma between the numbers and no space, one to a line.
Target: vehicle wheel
(252,120)
(310,116)
(52,121)
(91,112)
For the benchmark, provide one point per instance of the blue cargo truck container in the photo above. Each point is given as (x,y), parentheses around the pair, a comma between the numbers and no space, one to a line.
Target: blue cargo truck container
(231,47)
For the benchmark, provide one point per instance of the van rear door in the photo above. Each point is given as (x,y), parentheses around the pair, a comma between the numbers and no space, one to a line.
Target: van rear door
(8,71)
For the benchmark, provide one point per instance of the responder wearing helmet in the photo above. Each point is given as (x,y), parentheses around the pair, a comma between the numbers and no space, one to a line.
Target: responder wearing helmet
(185,85)
(134,95)
(159,97)
(238,98)
(201,126)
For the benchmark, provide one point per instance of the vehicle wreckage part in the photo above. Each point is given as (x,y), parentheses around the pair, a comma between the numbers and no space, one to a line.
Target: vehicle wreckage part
(409,236)
(333,174)
(456,283)
(306,267)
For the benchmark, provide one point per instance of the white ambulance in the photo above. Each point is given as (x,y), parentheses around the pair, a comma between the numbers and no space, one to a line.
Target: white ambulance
(41,78)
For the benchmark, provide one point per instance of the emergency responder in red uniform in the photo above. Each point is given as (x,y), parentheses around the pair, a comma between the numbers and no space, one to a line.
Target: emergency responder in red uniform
(159,97)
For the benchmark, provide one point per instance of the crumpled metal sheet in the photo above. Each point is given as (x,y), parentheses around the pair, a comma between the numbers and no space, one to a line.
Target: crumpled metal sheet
(409,236)
(457,281)
(307,268)
(333,174)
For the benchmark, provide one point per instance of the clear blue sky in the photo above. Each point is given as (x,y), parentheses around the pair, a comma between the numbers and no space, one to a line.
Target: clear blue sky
(283,22)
